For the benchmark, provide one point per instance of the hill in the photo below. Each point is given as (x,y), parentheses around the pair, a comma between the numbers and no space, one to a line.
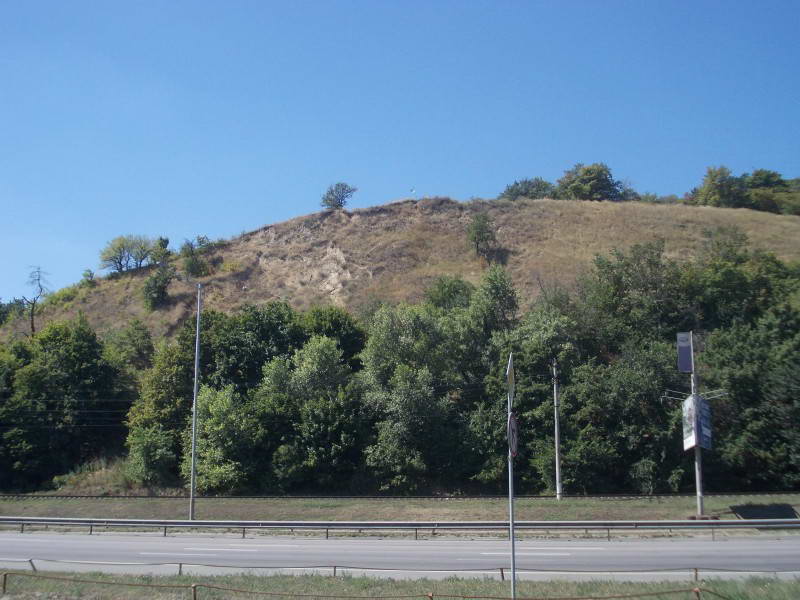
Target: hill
(392,252)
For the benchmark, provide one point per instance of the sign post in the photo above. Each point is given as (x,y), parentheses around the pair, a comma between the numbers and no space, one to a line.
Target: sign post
(512,452)
(696,415)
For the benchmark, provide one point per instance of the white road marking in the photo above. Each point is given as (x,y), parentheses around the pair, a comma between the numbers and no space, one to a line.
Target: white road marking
(264,545)
(222,549)
(527,553)
(173,554)
(560,548)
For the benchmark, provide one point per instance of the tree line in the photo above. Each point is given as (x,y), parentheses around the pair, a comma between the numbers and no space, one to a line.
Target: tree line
(411,397)
(763,189)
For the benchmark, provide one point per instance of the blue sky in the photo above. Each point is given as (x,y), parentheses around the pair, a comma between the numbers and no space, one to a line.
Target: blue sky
(185,118)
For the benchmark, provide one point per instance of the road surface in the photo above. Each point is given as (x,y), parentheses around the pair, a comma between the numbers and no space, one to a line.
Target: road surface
(631,559)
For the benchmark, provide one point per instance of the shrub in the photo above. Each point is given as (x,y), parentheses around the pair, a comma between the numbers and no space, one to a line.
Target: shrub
(155,287)
(529,188)
(151,458)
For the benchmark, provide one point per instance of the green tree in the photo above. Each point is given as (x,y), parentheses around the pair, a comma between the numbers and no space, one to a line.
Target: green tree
(448,292)
(63,409)
(228,435)
(130,347)
(721,188)
(756,446)
(155,288)
(160,254)
(589,182)
(193,263)
(126,252)
(480,233)
(635,294)
(337,195)
(406,335)
(338,324)
(529,188)
(417,438)
(234,348)
(151,460)
(13,307)
(764,178)
(494,305)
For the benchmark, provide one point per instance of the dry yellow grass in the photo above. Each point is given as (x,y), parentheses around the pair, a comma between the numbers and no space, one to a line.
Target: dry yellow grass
(392,252)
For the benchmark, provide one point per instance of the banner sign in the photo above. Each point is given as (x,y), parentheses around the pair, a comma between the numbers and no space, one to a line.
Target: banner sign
(685,353)
(696,423)
(513,434)
(510,377)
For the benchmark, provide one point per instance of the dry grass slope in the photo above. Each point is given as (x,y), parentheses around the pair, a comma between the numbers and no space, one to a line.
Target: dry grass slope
(392,252)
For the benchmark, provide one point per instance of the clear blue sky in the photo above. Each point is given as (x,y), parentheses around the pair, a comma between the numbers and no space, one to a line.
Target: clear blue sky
(184,118)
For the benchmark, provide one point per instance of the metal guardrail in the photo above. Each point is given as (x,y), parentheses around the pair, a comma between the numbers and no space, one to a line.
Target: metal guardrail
(416,525)
(611,496)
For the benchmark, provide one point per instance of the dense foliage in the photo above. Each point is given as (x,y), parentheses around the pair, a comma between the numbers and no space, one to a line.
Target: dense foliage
(762,189)
(414,399)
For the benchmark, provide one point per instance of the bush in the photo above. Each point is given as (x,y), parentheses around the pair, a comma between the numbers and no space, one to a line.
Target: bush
(151,458)
(155,287)
(529,188)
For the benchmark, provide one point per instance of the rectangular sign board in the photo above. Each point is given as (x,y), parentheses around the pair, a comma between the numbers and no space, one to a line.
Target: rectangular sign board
(696,423)
(510,377)
(685,353)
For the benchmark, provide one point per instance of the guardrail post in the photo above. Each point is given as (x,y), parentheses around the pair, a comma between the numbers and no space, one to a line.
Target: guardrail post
(5,577)
(502,575)
(91,528)
(194,591)
(33,566)
(608,534)
(243,530)
(696,574)
(180,568)
(22,527)
(334,570)
(165,531)
(713,538)
(416,531)
(326,534)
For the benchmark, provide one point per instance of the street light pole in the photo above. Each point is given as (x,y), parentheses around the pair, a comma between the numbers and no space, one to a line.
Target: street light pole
(698,451)
(193,482)
(557,432)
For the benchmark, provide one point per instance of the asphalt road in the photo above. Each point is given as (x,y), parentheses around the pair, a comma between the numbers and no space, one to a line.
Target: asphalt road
(541,559)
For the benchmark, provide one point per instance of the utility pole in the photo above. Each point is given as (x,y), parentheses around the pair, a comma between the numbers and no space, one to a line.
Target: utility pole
(512,452)
(696,414)
(193,482)
(558,432)
(698,452)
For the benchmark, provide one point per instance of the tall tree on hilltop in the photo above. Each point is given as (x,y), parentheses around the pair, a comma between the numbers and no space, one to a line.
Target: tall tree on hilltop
(337,195)
(590,182)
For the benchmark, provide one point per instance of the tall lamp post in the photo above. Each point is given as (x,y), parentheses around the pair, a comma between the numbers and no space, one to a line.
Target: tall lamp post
(193,479)
(557,430)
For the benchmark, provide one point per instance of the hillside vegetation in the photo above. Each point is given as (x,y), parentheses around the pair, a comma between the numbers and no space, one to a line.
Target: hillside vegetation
(408,395)
(391,253)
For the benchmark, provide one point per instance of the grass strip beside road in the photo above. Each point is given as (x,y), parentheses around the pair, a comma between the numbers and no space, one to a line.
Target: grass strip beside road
(366,587)
(385,509)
